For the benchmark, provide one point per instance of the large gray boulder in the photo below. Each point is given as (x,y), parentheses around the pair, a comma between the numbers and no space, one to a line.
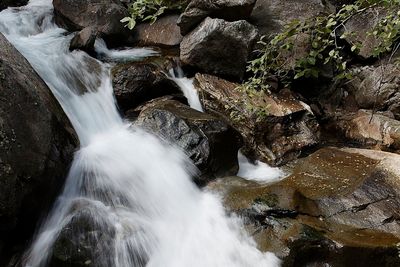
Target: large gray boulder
(229,10)
(209,141)
(103,15)
(270,16)
(36,146)
(219,47)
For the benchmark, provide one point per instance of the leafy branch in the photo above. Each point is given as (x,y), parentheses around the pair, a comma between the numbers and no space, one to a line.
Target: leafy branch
(323,45)
(150,10)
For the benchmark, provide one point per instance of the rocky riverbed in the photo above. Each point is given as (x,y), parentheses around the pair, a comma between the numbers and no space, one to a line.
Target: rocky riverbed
(338,145)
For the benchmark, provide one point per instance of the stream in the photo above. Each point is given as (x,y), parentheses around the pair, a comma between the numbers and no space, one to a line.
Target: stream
(133,191)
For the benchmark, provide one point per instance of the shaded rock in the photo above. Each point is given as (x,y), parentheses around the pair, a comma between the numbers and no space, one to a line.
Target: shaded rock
(367,129)
(84,40)
(377,88)
(210,143)
(164,32)
(12,3)
(219,47)
(135,83)
(103,15)
(336,204)
(270,16)
(86,240)
(36,146)
(358,27)
(287,127)
(229,10)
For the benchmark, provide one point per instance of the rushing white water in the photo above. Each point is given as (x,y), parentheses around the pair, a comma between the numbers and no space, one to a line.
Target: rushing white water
(187,87)
(258,171)
(133,187)
(125,54)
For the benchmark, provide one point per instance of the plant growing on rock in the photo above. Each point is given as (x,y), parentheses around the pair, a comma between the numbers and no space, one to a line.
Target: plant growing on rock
(150,10)
(324,45)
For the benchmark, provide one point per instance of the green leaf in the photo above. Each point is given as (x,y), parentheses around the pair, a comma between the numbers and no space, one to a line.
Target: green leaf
(126,19)
(131,24)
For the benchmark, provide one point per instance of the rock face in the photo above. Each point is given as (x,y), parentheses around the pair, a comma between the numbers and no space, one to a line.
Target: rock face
(358,26)
(209,142)
(163,33)
(135,83)
(287,128)
(12,3)
(271,15)
(340,207)
(84,40)
(103,15)
(84,240)
(219,47)
(36,146)
(229,10)
(369,130)
(377,88)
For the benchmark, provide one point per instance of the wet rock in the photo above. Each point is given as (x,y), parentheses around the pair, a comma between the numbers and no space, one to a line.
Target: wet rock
(86,240)
(36,146)
(229,10)
(336,204)
(210,143)
(84,40)
(377,88)
(12,3)
(135,83)
(219,47)
(270,16)
(276,137)
(368,130)
(103,15)
(353,187)
(163,33)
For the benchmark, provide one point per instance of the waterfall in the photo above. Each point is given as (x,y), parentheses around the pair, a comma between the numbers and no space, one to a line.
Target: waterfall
(187,87)
(136,190)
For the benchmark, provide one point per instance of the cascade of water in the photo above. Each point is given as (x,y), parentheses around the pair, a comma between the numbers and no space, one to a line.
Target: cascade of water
(187,87)
(258,171)
(126,183)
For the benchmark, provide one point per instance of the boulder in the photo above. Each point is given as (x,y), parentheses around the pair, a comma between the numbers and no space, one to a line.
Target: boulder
(36,146)
(84,40)
(219,47)
(103,15)
(12,3)
(134,83)
(86,240)
(357,30)
(367,129)
(275,127)
(162,33)
(270,16)
(229,10)
(210,143)
(338,207)
(376,88)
